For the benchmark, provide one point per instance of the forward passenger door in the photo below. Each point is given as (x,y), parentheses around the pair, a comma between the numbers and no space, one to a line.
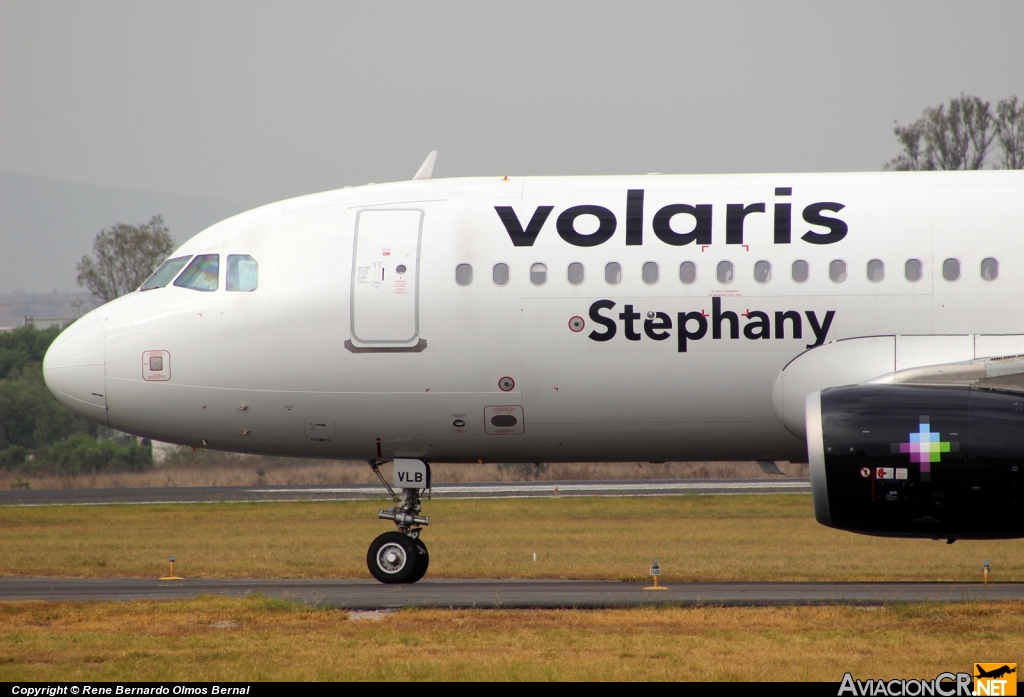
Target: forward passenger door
(385,280)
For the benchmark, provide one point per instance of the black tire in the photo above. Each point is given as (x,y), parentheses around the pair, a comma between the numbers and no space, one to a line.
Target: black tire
(394,558)
(424,561)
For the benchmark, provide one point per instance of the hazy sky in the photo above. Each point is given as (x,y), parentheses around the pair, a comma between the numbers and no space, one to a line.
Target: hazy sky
(254,101)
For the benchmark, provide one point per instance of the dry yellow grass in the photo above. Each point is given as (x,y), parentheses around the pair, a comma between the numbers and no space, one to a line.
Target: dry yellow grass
(214,639)
(694,537)
(224,469)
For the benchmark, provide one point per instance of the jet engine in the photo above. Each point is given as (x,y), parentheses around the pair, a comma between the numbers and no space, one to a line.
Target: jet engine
(918,460)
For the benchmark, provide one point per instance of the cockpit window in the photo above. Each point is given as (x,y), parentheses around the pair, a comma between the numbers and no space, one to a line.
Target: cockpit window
(243,273)
(201,274)
(165,274)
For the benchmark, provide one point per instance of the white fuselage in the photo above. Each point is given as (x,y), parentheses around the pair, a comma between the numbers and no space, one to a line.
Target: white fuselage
(335,355)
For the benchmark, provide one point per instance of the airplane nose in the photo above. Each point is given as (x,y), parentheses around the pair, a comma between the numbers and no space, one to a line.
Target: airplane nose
(74,368)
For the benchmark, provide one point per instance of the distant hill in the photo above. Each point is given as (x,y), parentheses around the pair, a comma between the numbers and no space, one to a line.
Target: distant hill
(47,225)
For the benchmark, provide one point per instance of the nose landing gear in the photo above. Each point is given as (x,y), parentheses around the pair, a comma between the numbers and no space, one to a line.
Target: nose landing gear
(401,557)
(394,557)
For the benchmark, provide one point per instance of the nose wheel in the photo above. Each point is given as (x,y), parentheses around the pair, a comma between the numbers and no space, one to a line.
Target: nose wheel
(401,557)
(394,557)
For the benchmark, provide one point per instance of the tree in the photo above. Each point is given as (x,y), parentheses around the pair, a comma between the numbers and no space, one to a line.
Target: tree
(126,255)
(24,345)
(37,433)
(1010,133)
(956,136)
(960,134)
(30,417)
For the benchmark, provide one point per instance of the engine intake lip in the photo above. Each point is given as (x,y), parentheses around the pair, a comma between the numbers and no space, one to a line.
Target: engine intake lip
(816,459)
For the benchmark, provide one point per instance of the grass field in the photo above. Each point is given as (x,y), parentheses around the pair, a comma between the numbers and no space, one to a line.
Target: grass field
(693,537)
(214,639)
(209,468)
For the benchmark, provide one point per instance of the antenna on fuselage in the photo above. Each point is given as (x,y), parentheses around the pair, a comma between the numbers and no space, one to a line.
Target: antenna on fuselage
(426,170)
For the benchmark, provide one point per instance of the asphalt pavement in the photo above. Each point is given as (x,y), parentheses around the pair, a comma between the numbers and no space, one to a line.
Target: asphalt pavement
(355,492)
(370,595)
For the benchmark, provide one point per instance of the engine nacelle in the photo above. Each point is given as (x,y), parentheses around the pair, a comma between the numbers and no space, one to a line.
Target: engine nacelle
(917,461)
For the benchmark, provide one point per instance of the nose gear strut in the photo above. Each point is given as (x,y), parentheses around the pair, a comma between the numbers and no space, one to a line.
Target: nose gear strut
(401,557)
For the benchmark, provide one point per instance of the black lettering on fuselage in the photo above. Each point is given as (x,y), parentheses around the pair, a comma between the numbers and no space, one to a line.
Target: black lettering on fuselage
(693,326)
(837,228)
(634,217)
(717,316)
(758,327)
(783,217)
(780,324)
(735,213)
(519,236)
(735,216)
(628,318)
(606,322)
(820,330)
(684,332)
(566,225)
(654,327)
(701,232)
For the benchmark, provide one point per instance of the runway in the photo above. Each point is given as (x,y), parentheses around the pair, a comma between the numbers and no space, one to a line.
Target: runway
(356,492)
(370,595)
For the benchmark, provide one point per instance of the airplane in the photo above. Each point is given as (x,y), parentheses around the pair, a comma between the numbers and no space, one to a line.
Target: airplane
(869,324)
(994,673)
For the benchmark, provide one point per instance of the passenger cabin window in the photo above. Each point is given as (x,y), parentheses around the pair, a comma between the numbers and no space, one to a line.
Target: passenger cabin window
(837,270)
(613,273)
(165,274)
(724,272)
(687,272)
(876,271)
(989,269)
(243,273)
(762,271)
(801,271)
(500,274)
(201,274)
(951,269)
(913,270)
(463,274)
(650,273)
(575,273)
(538,274)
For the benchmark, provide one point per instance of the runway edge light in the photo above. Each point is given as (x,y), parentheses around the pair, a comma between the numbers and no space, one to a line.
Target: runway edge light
(172,577)
(656,572)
